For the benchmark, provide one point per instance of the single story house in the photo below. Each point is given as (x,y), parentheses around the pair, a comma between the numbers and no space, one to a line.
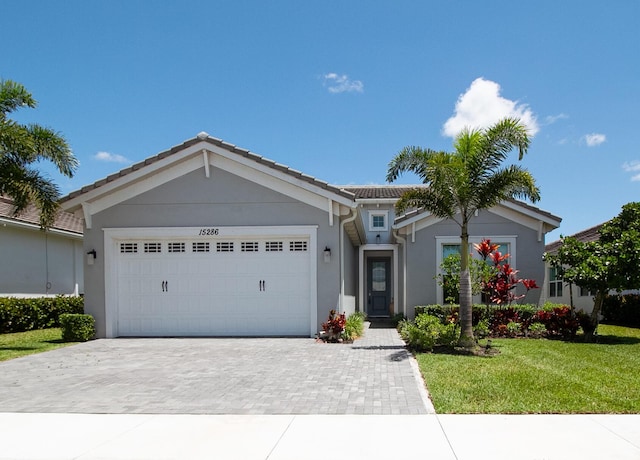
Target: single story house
(35,262)
(208,239)
(557,291)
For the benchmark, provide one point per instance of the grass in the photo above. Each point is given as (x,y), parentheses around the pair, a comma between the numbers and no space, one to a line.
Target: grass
(540,376)
(27,343)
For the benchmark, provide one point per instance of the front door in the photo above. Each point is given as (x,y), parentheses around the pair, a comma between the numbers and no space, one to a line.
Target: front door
(378,286)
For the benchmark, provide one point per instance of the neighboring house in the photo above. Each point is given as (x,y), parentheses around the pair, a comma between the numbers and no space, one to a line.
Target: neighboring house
(210,239)
(34,262)
(556,291)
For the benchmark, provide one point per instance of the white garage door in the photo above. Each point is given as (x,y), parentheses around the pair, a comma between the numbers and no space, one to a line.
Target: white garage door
(214,286)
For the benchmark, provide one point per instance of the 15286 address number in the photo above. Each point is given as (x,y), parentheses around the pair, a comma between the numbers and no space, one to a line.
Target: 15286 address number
(208,232)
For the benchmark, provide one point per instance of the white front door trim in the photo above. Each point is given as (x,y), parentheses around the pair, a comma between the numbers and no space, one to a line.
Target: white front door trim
(361,269)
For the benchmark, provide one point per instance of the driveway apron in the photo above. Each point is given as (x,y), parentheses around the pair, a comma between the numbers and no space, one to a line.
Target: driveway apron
(374,375)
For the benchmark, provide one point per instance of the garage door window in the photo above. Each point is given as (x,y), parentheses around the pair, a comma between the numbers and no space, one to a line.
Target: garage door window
(200,246)
(224,246)
(128,248)
(273,246)
(152,247)
(249,246)
(297,246)
(176,247)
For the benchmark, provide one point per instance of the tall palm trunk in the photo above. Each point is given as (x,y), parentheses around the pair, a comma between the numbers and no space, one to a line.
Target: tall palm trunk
(466,315)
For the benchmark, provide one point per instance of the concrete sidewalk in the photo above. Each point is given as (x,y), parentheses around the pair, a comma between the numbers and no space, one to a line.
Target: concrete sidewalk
(277,437)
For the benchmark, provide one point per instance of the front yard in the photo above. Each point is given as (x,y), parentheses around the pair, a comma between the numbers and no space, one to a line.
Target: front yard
(26,343)
(540,376)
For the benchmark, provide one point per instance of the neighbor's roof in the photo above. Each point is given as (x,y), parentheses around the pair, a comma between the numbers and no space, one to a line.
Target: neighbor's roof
(204,137)
(64,221)
(590,234)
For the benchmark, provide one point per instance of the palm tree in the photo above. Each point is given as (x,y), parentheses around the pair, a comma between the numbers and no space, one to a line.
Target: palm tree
(464,181)
(23,145)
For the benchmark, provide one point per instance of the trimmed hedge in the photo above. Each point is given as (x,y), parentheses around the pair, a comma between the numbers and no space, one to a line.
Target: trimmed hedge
(20,315)
(480,311)
(553,321)
(77,328)
(622,310)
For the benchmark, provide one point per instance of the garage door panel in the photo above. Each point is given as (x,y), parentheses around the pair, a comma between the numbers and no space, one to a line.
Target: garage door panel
(254,286)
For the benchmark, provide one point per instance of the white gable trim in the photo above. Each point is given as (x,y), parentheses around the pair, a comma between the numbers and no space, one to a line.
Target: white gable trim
(191,159)
(509,210)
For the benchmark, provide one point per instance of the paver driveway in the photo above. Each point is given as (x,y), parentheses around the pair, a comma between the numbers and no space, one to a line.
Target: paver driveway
(217,376)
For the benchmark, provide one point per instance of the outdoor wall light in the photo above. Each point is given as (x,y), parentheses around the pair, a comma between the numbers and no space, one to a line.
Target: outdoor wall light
(327,254)
(91,256)
(378,238)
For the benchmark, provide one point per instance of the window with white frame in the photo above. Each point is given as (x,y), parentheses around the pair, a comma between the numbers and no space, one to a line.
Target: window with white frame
(378,221)
(555,284)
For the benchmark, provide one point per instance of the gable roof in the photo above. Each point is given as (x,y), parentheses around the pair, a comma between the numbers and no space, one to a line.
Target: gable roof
(65,221)
(585,236)
(204,137)
(203,152)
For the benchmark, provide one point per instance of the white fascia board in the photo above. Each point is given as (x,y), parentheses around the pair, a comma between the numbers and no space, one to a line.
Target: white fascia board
(555,223)
(152,169)
(252,165)
(190,159)
(35,227)
(521,216)
(421,221)
(144,185)
(376,200)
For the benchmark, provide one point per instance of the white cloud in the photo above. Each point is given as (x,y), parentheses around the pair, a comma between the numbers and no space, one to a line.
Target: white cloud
(550,119)
(111,157)
(482,106)
(633,167)
(594,139)
(342,84)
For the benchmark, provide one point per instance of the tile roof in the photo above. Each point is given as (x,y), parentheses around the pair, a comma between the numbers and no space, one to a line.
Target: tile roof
(204,137)
(368,192)
(590,234)
(64,220)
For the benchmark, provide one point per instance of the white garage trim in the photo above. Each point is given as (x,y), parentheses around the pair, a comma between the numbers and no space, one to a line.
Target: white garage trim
(111,254)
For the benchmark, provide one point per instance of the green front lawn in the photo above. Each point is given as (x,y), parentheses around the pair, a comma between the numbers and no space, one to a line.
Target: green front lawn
(27,343)
(540,376)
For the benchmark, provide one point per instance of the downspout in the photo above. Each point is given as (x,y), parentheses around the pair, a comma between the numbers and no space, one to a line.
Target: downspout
(403,241)
(354,214)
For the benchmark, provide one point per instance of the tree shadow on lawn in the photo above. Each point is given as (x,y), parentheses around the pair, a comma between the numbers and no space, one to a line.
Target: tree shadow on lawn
(614,340)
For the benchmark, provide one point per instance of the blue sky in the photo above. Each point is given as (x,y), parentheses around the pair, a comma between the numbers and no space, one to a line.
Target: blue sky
(336,88)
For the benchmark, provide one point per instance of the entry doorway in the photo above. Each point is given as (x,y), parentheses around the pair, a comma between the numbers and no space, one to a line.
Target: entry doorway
(378,286)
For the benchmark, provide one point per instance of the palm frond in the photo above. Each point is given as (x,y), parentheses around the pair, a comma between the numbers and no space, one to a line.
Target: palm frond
(409,159)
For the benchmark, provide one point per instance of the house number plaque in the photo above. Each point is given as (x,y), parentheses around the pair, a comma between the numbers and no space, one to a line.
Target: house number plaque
(208,232)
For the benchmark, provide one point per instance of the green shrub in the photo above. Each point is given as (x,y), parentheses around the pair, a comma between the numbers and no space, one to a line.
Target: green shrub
(427,331)
(537,330)
(481,330)
(20,315)
(354,326)
(77,327)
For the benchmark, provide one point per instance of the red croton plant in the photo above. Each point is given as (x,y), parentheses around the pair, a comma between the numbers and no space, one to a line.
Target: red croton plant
(500,287)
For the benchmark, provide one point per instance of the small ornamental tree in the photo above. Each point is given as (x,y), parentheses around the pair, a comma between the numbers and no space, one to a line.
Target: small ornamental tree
(490,275)
(612,262)
(500,287)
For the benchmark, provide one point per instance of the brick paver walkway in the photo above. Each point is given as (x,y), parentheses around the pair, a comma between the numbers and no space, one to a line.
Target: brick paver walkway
(374,375)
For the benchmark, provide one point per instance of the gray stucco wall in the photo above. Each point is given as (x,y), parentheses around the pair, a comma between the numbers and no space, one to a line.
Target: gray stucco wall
(422,255)
(39,263)
(223,199)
